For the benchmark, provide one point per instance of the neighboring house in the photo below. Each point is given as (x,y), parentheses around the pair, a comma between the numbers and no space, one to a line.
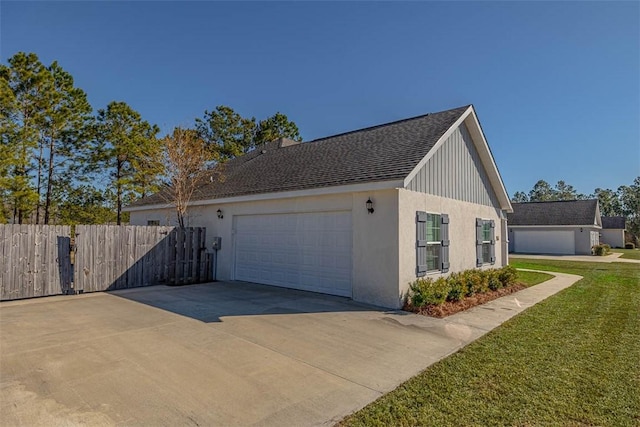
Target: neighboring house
(361,214)
(612,232)
(566,227)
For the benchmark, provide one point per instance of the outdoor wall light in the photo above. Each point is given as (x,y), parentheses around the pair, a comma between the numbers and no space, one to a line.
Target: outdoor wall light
(220,216)
(370,205)
(581,229)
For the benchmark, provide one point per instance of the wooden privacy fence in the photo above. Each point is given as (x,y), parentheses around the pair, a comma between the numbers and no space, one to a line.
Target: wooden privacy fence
(112,257)
(34,261)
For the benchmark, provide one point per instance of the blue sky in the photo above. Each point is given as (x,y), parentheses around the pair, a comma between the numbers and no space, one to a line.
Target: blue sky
(556,85)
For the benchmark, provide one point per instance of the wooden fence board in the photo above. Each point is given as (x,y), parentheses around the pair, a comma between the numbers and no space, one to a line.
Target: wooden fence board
(134,256)
(64,258)
(34,260)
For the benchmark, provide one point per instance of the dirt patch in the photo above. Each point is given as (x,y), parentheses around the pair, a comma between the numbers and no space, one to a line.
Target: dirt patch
(449,308)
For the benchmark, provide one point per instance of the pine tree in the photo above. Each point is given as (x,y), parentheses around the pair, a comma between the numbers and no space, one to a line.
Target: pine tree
(23,99)
(127,149)
(64,130)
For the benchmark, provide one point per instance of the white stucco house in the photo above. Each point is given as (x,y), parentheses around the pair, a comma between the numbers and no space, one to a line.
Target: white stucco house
(612,232)
(566,227)
(360,214)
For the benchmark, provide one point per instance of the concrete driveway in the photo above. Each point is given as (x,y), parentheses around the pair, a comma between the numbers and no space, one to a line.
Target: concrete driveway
(613,257)
(217,354)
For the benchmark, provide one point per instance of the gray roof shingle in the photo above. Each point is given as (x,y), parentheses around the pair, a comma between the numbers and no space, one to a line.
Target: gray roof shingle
(565,212)
(380,153)
(616,222)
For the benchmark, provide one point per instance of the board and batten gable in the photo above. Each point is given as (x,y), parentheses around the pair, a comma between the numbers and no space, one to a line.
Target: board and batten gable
(455,171)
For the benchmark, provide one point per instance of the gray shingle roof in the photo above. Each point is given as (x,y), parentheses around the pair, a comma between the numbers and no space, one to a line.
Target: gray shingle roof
(380,153)
(566,212)
(617,222)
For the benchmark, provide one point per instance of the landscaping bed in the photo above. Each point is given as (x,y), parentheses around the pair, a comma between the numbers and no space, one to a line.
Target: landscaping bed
(443,297)
(448,308)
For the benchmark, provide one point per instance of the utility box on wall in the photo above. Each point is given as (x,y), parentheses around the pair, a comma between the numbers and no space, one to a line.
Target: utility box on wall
(217,243)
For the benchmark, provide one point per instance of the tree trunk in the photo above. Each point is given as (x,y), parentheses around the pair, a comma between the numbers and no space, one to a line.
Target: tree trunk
(47,205)
(180,218)
(39,180)
(118,193)
(119,206)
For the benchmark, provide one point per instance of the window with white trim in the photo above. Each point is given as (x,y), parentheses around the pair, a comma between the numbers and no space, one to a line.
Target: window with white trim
(432,243)
(485,242)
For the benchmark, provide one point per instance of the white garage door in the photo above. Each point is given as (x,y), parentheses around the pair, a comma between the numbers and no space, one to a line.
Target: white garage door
(544,242)
(308,251)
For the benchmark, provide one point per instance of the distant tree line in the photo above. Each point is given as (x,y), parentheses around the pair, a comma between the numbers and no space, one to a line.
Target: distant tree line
(61,162)
(625,201)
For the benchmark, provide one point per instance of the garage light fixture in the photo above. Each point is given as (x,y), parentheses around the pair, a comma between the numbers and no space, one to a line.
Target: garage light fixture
(370,205)
(220,216)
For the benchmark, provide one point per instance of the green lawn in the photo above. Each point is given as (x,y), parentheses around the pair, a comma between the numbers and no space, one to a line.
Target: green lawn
(530,278)
(573,359)
(628,253)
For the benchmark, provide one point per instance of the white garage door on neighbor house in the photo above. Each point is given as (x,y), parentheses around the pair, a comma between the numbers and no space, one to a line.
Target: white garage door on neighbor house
(307,251)
(544,242)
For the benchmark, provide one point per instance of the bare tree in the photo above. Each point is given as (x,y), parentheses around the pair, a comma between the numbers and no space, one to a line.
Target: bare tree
(185,157)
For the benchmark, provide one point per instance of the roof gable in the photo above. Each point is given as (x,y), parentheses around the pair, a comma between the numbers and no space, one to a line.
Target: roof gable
(564,212)
(455,170)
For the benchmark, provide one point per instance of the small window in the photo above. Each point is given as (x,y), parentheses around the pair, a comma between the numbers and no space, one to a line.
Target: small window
(485,242)
(432,243)
(153,222)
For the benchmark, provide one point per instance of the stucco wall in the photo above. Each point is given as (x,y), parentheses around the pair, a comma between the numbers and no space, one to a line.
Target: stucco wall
(375,243)
(582,239)
(612,237)
(375,237)
(462,232)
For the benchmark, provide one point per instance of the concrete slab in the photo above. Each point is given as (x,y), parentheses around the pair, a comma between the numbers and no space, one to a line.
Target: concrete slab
(219,354)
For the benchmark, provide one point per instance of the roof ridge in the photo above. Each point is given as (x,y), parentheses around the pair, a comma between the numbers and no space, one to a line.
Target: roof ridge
(387,124)
(553,201)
